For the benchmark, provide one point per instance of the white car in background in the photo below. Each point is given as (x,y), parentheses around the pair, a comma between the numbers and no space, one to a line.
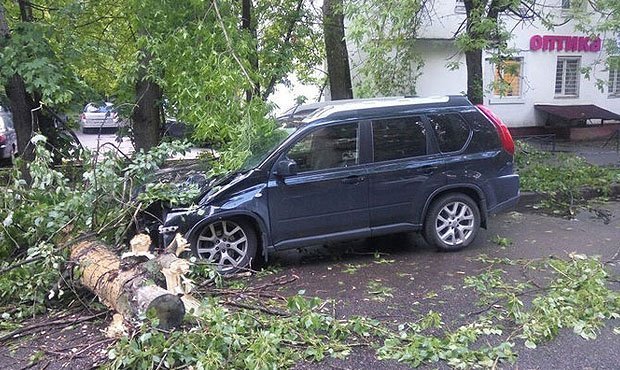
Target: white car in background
(98,117)
(8,137)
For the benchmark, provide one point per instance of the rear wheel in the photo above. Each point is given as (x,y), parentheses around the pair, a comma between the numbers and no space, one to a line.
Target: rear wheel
(10,159)
(452,222)
(229,244)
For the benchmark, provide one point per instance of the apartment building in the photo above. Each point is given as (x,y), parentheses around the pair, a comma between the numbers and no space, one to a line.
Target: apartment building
(546,83)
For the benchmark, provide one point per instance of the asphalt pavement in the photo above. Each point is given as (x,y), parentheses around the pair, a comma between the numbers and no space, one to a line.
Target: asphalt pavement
(111,142)
(421,279)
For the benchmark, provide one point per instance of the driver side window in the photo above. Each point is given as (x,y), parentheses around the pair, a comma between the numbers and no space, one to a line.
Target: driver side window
(328,147)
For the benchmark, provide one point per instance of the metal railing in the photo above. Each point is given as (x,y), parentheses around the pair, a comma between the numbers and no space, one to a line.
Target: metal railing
(614,138)
(544,142)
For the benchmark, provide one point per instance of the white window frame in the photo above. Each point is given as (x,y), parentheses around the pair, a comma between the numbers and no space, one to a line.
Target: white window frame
(562,93)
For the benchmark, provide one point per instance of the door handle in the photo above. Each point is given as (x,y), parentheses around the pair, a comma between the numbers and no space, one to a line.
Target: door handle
(353,179)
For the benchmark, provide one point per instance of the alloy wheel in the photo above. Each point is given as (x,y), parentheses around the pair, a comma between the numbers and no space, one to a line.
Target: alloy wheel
(455,223)
(224,243)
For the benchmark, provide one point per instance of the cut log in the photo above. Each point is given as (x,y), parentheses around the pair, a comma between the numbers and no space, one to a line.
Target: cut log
(130,292)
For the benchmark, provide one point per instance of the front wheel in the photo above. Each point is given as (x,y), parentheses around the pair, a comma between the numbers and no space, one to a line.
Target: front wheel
(452,222)
(229,244)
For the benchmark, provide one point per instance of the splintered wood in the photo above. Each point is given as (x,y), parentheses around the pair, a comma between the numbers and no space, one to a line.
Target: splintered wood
(130,292)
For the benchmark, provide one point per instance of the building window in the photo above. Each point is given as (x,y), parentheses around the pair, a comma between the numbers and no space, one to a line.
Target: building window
(567,77)
(459,7)
(614,81)
(573,4)
(507,80)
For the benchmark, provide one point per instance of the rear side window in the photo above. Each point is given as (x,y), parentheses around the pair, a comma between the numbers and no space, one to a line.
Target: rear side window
(327,148)
(485,136)
(451,130)
(398,138)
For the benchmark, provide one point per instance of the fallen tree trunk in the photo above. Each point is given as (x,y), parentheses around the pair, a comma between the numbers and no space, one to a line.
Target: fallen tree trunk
(129,291)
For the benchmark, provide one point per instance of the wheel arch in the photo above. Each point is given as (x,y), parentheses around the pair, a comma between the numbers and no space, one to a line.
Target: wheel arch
(472,191)
(259,225)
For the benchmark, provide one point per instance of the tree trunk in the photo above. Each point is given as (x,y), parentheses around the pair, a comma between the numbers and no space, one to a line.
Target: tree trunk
(475,91)
(21,105)
(20,101)
(248,25)
(474,11)
(146,115)
(130,290)
(336,49)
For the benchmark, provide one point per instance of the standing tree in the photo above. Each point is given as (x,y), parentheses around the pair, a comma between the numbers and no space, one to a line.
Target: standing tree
(339,73)
(22,102)
(147,117)
(483,30)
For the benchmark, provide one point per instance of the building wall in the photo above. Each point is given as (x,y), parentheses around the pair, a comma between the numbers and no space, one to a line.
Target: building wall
(436,45)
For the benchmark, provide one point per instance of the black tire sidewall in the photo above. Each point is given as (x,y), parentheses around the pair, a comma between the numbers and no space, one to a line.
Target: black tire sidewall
(430,233)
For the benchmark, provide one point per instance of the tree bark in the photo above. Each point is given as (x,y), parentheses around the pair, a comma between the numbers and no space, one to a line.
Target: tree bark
(21,105)
(147,113)
(475,91)
(473,57)
(249,26)
(336,49)
(21,102)
(475,11)
(129,291)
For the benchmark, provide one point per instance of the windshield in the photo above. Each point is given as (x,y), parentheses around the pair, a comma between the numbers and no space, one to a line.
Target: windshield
(263,148)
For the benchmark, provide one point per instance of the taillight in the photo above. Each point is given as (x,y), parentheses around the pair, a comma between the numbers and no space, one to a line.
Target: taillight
(2,139)
(507,143)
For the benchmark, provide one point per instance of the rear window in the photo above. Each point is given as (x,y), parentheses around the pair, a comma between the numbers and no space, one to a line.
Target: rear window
(98,108)
(451,130)
(6,123)
(485,136)
(398,138)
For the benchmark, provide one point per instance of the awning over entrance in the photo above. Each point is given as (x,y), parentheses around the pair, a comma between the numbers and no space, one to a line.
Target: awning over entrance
(578,112)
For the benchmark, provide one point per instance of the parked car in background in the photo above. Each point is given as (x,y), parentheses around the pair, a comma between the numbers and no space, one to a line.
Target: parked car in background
(352,170)
(99,117)
(8,137)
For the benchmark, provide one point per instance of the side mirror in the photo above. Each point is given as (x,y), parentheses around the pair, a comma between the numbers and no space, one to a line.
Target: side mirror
(286,167)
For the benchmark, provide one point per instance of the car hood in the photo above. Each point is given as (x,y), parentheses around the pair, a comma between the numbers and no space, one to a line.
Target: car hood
(191,175)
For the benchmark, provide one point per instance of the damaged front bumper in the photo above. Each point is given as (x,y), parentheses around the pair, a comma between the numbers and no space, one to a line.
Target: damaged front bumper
(183,221)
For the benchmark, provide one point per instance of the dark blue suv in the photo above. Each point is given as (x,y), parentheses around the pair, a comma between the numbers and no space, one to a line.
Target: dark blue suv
(354,170)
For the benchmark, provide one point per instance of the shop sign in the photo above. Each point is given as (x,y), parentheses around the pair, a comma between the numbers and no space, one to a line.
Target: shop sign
(565,43)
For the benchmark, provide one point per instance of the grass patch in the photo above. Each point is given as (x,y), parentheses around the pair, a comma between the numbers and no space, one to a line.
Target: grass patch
(563,176)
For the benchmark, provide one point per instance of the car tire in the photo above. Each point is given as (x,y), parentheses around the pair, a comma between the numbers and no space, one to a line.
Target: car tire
(452,222)
(230,244)
(8,161)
